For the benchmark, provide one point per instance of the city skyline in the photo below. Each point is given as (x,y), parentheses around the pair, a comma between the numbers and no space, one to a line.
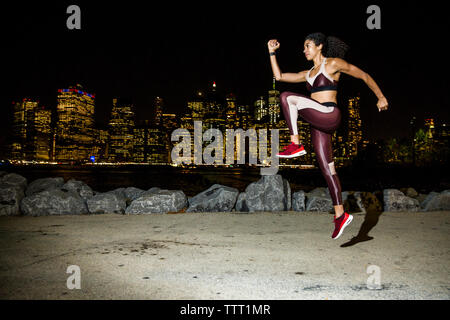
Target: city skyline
(122,51)
(71,133)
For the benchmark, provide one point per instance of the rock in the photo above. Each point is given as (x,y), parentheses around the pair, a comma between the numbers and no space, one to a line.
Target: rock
(128,194)
(436,201)
(79,187)
(42,184)
(53,202)
(2,173)
(241,205)
(217,198)
(10,197)
(317,203)
(298,201)
(15,179)
(320,192)
(428,198)
(395,200)
(409,192)
(118,191)
(108,202)
(160,201)
(132,193)
(319,199)
(421,197)
(270,193)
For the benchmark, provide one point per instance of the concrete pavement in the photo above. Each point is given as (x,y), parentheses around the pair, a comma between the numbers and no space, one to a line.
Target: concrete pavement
(285,255)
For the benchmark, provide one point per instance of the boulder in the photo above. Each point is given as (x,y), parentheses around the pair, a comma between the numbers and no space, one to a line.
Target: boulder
(158,201)
(42,184)
(108,202)
(436,201)
(409,192)
(270,193)
(217,198)
(132,193)
(298,201)
(395,200)
(79,187)
(53,202)
(129,194)
(319,199)
(10,197)
(15,179)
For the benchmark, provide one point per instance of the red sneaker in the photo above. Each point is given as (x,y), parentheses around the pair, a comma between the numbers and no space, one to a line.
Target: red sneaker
(340,224)
(291,151)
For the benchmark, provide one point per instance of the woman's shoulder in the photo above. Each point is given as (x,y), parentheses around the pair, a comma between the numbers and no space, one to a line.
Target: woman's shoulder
(335,64)
(335,61)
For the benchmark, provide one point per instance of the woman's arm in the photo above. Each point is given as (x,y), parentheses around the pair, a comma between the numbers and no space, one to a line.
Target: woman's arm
(341,65)
(273,45)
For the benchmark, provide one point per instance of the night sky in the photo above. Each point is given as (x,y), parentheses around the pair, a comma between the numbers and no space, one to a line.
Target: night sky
(140,50)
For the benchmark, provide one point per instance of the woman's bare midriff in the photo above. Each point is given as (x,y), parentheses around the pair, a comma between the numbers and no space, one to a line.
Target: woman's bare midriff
(325,96)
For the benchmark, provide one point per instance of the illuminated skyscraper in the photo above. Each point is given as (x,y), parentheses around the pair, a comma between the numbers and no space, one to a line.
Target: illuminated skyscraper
(261,111)
(170,123)
(245,120)
(214,115)
(121,131)
(158,104)
(31,131)
(354,125)
(75,130)
(274,104)
(149,143)
(197,106)
(231,111)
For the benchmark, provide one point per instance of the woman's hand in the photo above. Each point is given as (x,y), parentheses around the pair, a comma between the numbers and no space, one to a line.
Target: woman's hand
(382,104)
(273,45)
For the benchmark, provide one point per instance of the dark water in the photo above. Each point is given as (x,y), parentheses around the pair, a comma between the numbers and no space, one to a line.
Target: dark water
(193,181)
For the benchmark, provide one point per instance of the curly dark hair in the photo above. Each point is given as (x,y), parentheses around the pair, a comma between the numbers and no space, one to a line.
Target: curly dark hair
(332,47)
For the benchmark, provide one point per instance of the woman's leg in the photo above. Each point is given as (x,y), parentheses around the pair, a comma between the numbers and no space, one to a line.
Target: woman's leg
(324,120)
(324,153)
(318,115)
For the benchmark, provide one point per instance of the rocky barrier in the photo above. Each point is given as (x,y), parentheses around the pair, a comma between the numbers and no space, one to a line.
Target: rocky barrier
(54,196)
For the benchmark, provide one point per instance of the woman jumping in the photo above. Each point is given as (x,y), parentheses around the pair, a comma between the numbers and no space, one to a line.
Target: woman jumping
(320,110)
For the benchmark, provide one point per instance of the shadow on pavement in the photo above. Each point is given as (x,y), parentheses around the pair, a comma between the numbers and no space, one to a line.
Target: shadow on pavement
(373,212)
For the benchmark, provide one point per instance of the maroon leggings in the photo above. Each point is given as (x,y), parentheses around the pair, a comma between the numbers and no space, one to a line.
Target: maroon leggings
(324,118)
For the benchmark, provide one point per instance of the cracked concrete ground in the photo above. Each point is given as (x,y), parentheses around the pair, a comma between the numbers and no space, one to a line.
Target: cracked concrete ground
(199,256)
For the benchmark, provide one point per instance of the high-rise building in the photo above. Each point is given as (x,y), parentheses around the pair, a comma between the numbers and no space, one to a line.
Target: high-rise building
(354,125)
(158,103)
(149,143)
(101,146)
(121,130)
(170,121)
(31,131)
(274,104)
(244,118)
(75,130)
(261,112)
(197,106)
(231,111)
(214,115)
